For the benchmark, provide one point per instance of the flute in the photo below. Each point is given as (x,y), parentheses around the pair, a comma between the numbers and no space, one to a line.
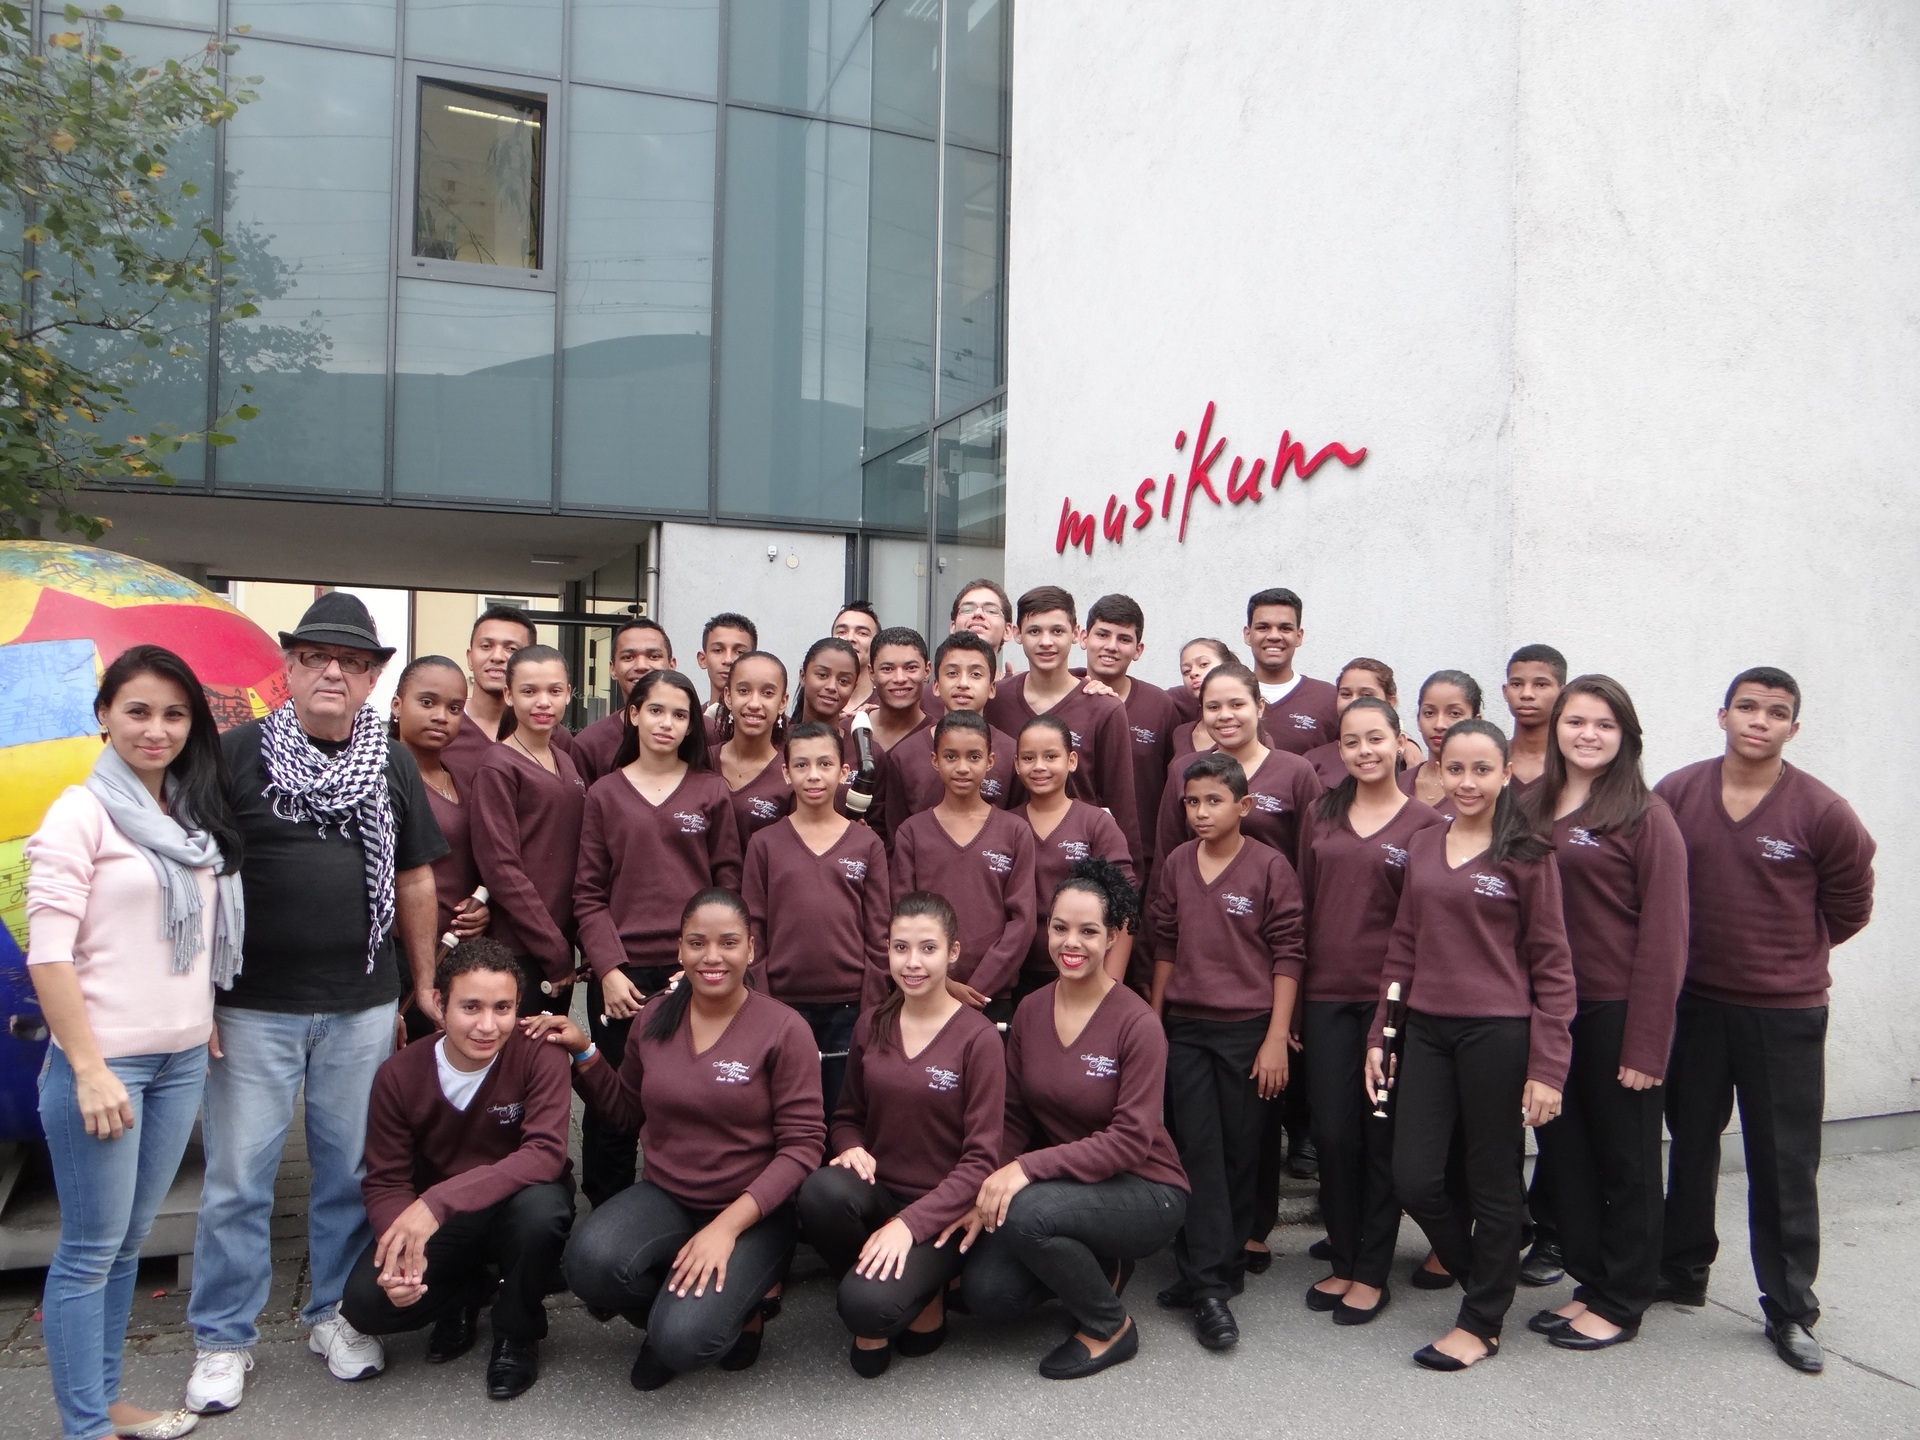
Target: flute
(1390,1055)
(449,940)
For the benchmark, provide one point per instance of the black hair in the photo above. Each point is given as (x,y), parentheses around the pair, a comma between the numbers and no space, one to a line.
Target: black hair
(1618,799)
(642,622)
(1769,676)
(1047,720)
(1275,596)
(1119,610)
(526,655)
(1461,681)
(730,620)
(860,607)
(1107,883)
(1334,805)
(808,730)
(1379,669)
(693,748)
(778,730)
(1223,652)
(1216,765)
(199,772)
(970,642)
(1043,600)
(972,721)
(1233,670)
(814,652)
(1541,655)
(999,593)
(884,1024)
(482,952)
(668,1014)
(513,614)
(897,635)
(1514,837)
(427,662)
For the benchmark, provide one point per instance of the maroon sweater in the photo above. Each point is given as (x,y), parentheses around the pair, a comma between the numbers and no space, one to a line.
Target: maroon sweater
(932,1123)
(1283,789)
(512,1134)
(1352,890)
(989,883)
(1626,899)
(1307,717)
(1151,720)
(1186,704)
(762,801)
(1327,764)
(641,863)
(742,1117)
(1085,831)
(1102,740)
(595,747)
(909,784)
(1484,940)
(1090,1110)
(1227,940)
(819,921)
(454,873)
(1772,894)
(526,833)
(470,745)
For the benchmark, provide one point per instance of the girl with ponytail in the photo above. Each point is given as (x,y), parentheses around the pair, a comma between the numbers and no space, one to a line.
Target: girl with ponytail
(749,758)
(1447,698)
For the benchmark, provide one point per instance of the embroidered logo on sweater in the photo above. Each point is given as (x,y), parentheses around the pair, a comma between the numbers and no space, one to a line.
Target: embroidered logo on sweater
(991,788)
(942,1080)
(763,808)
(1303,722)
(854,870)
(1492,886)
(1269,804)
(996,862)
(732,1072)
(1075,850)
(1772,849)
(692,822)
(1580,835)
(1101,1067)
(1237,904)
(509,1113)
(1396,857)
(1143,736)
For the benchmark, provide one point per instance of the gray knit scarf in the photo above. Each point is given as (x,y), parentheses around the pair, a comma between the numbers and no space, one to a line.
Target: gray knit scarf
(347,791)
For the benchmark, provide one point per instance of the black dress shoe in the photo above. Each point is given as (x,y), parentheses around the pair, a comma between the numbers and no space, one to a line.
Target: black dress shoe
(453,1334)
(870,1364)
(649,1371)
(1071,1360)
(1568,1338)
(1425,1279)
(1321,1249)
(1794,1343)
(1433,1359)
(1175,1297)
(1214,1324)
(514,1367)
(912,1344)
(1547,1322)
(1321,1301)
(1303,1160)
(1675,1292)
(1256,1262)
(1543,1265)
(1345,1314)
(745,1352)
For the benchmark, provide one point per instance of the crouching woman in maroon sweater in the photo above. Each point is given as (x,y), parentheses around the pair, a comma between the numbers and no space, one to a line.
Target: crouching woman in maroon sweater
(1479,947)
(467,1174)
(918,1130)
(723,1087)
(1091,1181)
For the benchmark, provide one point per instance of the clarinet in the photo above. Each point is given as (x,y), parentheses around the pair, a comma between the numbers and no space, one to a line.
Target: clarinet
(449,940)
(1392,1032)
(866,773)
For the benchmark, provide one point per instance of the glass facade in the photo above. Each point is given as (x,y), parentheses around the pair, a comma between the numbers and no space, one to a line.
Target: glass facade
(725,260)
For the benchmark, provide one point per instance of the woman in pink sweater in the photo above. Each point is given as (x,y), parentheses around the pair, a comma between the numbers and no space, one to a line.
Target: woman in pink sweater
(133,907)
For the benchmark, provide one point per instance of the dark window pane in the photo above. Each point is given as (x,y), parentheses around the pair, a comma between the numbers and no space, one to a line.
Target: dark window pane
(895,490)
(801,55)
(906,65)
(976,71)
(900,251)
(479,178)
(970,339)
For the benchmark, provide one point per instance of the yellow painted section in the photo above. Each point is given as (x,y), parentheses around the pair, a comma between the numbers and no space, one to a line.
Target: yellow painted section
(17,599)
(13,888)
(32,777)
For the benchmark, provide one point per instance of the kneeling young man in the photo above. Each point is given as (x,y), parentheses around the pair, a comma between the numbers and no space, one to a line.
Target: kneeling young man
(467,1169)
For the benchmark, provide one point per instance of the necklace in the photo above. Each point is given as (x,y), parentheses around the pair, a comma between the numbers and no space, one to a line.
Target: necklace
(520,745)
(445,792)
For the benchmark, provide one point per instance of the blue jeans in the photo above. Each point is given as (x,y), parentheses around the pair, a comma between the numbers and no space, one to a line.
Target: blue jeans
(250,1095)
(109,1193)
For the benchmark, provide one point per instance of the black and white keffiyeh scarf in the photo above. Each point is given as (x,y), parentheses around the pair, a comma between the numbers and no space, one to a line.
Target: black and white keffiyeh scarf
(347,791)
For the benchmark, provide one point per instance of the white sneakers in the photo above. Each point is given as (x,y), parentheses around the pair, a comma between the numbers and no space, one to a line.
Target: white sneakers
(350,1355)
(218,1378)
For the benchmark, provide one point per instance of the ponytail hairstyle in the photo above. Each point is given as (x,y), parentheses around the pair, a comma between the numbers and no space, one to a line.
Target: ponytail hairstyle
(1462,682)
(884,1023)
(693,746)
(525,655)
(1047,720)
(814,652)
(1380,671)
(668,1014)
(807,730)
(971,721)
(1107,883)
(1333,806)
(1619,795)
(1222,652)
(777,732)
(199,772)
(414,667)
(1514,837)
(1232,670)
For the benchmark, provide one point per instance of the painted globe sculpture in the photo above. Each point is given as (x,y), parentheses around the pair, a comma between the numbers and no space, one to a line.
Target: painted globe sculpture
(65,612)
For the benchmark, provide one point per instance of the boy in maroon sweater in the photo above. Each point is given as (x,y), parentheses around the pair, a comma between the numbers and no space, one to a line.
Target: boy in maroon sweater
(1780,870)
(1228,913)
(1302,713)
(639,645)
(467,1169)
(1114,639)
(909,783)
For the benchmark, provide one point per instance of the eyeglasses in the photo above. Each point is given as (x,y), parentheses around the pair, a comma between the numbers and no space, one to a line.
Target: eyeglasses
(981,607)
(320,659)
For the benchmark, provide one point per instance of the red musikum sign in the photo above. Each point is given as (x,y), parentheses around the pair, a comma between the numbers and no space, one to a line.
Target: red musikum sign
(1242,482)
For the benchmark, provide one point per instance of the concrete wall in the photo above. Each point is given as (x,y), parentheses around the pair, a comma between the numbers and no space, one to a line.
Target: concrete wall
(1620,299)
(709,568)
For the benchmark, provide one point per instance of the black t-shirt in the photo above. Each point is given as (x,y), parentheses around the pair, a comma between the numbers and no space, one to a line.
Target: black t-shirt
(307,919)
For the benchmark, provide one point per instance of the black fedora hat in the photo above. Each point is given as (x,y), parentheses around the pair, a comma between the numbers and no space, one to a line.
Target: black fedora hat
(337,618)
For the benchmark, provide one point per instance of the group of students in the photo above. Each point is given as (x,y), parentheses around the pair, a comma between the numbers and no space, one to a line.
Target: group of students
(1235,924)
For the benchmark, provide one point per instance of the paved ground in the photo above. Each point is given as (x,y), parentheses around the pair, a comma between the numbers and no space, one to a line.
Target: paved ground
(1692,1372)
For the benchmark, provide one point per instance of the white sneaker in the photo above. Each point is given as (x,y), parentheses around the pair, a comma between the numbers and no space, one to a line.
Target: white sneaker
(350,1355)
(217,1380)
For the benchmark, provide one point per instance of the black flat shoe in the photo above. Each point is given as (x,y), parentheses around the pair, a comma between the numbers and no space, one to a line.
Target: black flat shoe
(1794,1343)
(1439,1360)
(870,1364)
(1175,1297)
(513,1368)
(1321,1249)
(649,1371)
(453,1334)
(745,1352)
(1425,1279)
(1543,1265)
(912,1344)
(1674,1293)
(1345,1314)
(1321,1301)
(1072,1361)
(1568,1338)
(1214,1325)
(1547,1322)
(1256,1262)
(770,1307)
(1303,1160)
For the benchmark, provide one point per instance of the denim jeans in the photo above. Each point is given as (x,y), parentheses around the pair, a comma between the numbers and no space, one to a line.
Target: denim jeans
(109,1192)
(250,1095)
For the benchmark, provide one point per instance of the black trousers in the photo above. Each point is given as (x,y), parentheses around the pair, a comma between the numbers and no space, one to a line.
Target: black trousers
(621,1254)
(522,1237)
(1604,1152)
(1469,1070)
(839,1211)
(534,1001)
(1357,1201)
(832,1024)
(1290,1116)
(1060,1239)
(608,1159)
(1774,1063)
(1216,1115)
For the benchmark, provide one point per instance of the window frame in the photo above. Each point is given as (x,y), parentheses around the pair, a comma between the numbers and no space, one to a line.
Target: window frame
(547,92)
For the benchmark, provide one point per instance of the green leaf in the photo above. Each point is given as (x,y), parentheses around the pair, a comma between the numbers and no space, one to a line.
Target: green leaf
(248,412)
(216,437)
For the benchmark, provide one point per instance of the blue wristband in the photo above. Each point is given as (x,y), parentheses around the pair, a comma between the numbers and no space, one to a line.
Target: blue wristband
(586,1054)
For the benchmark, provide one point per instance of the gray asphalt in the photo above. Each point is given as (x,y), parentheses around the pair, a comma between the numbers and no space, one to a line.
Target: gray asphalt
(1692,1372)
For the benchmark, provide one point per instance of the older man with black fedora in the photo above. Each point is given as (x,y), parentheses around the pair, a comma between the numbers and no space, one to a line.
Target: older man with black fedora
(339,841)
